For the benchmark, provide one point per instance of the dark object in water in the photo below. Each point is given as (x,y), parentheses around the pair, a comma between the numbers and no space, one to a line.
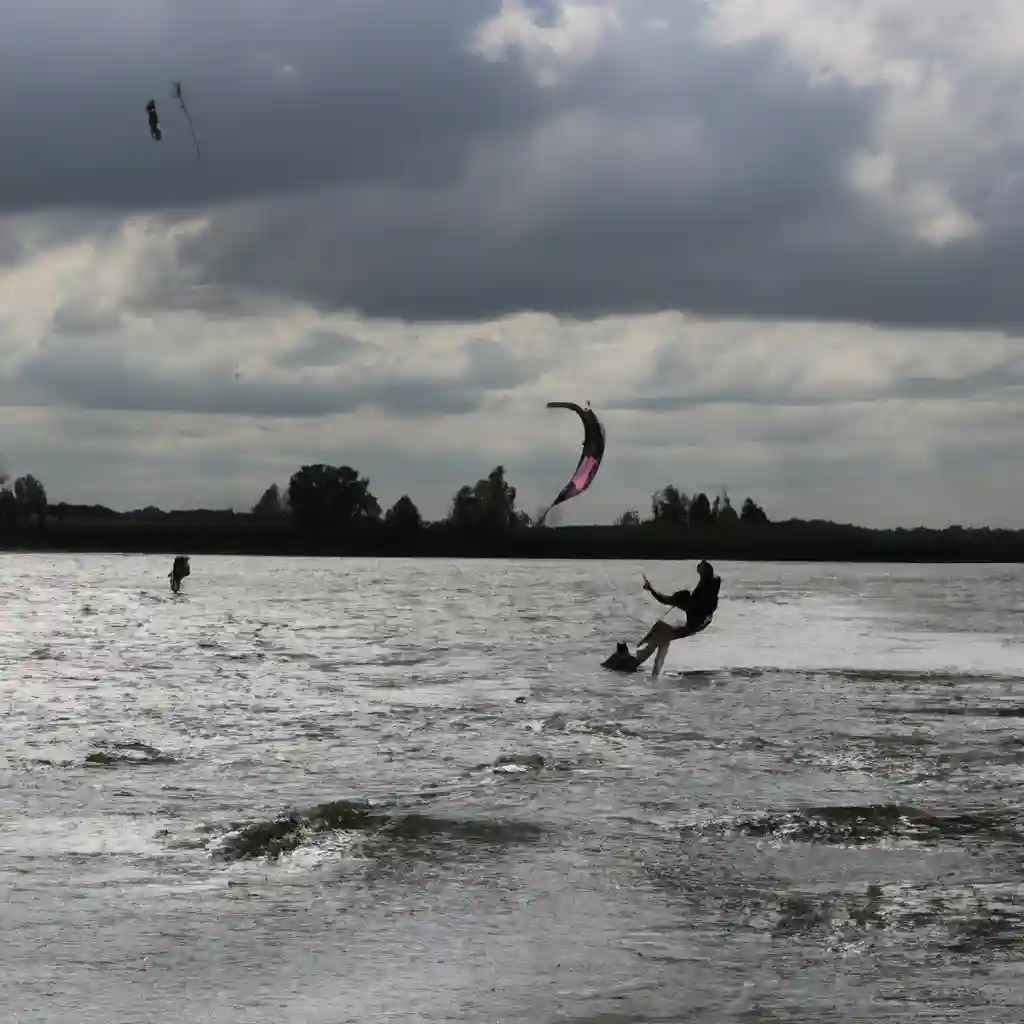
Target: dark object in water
(621,660)
(179,571)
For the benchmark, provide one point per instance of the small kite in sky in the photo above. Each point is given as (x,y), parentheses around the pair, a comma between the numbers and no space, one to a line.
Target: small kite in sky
(181,101)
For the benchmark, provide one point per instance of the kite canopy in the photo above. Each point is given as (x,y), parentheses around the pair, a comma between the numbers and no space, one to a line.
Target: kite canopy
(590,457)
(180,97)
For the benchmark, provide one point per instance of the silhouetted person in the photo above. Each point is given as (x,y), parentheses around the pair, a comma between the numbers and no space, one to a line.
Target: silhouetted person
(154,121)
(179,571)
(699,606)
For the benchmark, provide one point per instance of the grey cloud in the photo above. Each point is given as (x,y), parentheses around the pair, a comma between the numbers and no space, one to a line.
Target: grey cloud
(1007,375)
(733,396)
(215,301)
(814,430)
(738,239)
(321,348)
(490,366)
(82,316)
(24,236)
(109,384)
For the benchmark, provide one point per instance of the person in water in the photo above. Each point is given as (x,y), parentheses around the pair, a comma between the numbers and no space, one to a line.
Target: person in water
(179,570)
(699,606)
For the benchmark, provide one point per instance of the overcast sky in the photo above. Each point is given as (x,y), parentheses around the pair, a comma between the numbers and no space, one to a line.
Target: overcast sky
(777,244)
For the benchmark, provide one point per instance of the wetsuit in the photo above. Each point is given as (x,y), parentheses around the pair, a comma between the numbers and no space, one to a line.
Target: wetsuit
(698,605)
(701,607)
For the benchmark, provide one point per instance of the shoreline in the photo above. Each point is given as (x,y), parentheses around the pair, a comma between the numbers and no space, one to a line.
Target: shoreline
(216,533)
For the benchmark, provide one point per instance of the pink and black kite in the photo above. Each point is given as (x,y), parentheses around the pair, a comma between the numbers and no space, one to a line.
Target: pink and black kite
(590,459)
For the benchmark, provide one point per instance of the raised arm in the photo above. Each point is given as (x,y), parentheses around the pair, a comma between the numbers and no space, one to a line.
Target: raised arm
(676,600)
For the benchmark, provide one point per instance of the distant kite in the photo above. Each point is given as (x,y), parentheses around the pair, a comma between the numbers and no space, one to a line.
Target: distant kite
(154,121)
(590,458)
(154,118)
(181,101)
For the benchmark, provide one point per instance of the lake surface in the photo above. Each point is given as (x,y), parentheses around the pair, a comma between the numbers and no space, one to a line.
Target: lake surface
(815,814)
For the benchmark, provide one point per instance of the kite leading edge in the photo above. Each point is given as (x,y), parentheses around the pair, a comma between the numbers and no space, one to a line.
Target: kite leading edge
(178,95)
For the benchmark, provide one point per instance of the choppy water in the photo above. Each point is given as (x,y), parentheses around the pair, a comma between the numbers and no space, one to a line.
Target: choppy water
(814,815)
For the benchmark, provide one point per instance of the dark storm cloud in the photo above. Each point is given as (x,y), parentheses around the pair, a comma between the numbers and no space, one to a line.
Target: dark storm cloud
(719,241)
(346,180)
(376,93)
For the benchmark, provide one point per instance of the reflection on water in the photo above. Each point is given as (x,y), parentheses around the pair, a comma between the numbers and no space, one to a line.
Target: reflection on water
(329,791)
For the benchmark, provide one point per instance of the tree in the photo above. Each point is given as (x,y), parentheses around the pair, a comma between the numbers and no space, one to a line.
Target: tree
(463,513)
(30,496)
(487,507)
(670,507)
(8,503)
(751,514)
(499,500)
(271,504)
(701,515)
(628,518)
(324,498)
(403,517)
(725,514)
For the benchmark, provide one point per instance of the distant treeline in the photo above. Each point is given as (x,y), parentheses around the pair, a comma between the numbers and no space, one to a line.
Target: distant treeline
(331,511)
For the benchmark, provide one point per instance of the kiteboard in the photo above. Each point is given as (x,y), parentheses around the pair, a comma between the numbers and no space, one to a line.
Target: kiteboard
(621,660)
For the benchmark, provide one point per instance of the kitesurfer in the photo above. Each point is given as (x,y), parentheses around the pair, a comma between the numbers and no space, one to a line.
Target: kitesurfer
(154,121)
(179,570)
(699,606)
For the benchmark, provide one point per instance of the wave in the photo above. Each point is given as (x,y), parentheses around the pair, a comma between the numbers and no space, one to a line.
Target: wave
(863,824)
(270,839)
